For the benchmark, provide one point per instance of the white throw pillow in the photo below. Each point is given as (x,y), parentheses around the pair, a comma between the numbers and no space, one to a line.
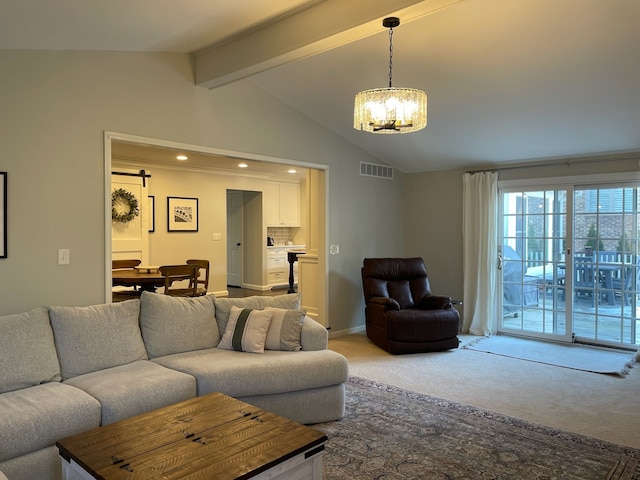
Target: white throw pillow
(246,330)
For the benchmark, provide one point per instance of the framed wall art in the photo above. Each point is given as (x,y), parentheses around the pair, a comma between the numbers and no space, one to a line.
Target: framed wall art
(3,214)
(182,214)
(152,213)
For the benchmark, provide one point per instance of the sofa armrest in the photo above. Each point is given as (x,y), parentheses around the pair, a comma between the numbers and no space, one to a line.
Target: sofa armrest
(313,336)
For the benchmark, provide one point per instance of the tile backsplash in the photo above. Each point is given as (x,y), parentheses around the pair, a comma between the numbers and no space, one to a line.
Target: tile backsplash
(280,234)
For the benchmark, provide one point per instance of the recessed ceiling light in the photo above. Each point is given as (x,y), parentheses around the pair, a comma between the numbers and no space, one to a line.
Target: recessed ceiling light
(182,157)
(291,170)
(243,165)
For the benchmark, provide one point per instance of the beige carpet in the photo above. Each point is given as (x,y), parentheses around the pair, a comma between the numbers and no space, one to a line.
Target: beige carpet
(606,407)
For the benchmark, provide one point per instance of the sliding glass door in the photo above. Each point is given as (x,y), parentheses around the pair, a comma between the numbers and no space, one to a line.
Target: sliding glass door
(569,265)
(606,264)
(532,267)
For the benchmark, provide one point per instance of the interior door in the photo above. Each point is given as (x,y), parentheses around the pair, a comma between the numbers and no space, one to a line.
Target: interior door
(234,237)
(131,239)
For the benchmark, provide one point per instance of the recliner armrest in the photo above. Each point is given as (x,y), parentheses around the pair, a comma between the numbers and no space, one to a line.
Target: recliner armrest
(434,302)
(386,302)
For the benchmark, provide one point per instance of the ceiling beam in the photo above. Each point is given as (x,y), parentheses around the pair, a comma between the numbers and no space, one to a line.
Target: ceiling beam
(321,27)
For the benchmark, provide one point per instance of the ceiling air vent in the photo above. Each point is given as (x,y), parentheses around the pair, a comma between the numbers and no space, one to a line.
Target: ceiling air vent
(373,170)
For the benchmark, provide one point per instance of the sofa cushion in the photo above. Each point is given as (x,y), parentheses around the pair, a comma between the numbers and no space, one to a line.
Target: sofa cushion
(27,351)
(246,330)
(256,302)
(240,374)
(93,338)
(177,324)
(135,388)
(36,417)
(285,329)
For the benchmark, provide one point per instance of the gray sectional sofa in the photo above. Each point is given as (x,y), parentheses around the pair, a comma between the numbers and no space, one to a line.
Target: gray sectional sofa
(69,369)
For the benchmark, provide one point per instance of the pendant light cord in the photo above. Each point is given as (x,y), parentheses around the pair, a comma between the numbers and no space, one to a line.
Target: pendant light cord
(390,55)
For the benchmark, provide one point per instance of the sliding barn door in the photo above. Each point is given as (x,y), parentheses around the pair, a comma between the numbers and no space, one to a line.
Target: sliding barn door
(131,239)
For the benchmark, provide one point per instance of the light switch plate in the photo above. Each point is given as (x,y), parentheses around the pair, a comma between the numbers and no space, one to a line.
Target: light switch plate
(63,256)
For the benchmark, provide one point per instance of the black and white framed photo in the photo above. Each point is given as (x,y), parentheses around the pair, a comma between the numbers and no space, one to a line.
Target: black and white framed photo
(3,214)
(152,213)
(182,214)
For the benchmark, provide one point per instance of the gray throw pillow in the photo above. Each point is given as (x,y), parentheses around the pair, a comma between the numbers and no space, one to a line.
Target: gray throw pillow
(177,324)
(27,351)
(93,338)
(285,330)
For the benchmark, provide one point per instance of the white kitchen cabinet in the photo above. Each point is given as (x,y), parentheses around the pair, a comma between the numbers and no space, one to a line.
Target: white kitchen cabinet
(278,265)
(282,205)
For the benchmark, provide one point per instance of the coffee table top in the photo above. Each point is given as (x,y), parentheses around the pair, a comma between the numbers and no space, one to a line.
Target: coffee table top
(212,436)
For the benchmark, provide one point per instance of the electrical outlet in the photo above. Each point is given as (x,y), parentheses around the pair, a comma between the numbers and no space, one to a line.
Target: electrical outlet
(217,237)
(334,249)
(63,256)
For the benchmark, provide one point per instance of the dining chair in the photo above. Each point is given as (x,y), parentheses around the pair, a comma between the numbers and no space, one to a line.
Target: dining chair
(629,282)
(585,278)
(123,293)
(174,275)
(202,278)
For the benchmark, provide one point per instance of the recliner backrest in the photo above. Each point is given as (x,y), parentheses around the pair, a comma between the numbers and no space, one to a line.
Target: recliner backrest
(403,279)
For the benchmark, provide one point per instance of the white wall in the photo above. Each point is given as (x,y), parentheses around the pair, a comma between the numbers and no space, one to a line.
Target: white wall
(55,108)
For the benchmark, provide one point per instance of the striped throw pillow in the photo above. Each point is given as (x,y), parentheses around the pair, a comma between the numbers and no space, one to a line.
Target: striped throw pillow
(246,330)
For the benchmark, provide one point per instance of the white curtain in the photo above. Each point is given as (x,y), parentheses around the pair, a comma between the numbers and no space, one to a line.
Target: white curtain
(480,223)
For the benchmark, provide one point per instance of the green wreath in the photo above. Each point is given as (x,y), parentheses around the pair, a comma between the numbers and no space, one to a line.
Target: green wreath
(124,206)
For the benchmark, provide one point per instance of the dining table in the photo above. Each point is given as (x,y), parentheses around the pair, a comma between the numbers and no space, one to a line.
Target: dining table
(144,279)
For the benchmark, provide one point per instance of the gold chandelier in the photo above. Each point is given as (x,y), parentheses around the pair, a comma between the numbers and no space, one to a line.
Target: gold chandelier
(390,110)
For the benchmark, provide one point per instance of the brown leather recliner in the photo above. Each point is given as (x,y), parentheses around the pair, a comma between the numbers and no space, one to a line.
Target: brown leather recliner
(402,316)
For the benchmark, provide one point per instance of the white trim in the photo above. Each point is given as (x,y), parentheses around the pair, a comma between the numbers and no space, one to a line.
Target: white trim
(155,142)
(347,331)
(108,296)
(571,180)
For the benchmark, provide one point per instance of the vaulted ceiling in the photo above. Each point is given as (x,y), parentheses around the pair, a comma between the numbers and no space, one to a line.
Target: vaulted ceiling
(507,80)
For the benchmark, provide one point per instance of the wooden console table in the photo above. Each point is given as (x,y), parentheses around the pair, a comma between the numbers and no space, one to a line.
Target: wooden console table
(213,436)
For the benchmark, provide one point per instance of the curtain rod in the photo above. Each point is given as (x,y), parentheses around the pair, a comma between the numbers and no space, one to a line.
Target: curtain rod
(556,163)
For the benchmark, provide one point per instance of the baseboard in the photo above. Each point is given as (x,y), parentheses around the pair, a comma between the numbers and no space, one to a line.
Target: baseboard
(341,333)
(250,286)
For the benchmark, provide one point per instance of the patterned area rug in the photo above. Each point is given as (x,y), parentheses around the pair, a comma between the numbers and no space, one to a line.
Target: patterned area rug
(390,433)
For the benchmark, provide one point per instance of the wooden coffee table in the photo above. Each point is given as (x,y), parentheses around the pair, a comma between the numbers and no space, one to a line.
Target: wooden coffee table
(213,436)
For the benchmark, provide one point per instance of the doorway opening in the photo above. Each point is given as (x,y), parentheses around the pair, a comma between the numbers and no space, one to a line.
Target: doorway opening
(149,154)
(245,232)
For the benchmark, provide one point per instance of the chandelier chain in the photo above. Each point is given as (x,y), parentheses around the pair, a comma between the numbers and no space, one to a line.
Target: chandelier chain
(390,55)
